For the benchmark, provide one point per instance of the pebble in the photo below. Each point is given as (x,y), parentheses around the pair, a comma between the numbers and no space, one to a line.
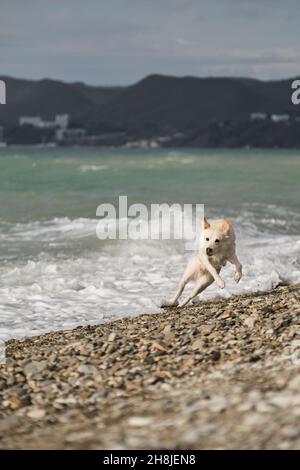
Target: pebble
(160,381)
(87,369)
(79,436)
(139,421)
(35,367)
(36,413)
(198,344)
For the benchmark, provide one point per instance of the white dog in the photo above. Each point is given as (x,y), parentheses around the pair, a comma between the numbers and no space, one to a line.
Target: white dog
(217,246)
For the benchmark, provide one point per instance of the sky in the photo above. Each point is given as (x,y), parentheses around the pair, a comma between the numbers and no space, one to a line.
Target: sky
(118,42)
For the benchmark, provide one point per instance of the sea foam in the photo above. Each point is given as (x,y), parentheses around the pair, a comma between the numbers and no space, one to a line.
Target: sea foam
(73,278)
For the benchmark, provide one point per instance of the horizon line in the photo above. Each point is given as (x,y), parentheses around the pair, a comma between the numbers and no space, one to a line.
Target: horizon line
(203,77)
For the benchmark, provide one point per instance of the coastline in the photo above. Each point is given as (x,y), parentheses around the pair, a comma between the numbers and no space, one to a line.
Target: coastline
(222,374)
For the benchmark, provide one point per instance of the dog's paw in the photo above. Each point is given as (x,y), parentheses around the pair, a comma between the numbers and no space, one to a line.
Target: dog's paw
(168,303)
(237,277)
(221,284)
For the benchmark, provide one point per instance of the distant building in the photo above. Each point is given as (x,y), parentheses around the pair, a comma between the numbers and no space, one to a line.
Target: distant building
(258,116)
(63,134)
(47,124)
(34,121)
(280,117)
(70,136)
(60,121)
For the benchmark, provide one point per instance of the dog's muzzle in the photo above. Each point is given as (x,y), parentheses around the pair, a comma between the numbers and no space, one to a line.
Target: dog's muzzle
(209,251)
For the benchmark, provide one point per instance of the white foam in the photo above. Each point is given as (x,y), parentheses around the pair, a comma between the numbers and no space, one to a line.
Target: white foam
(86,168)
(101,281)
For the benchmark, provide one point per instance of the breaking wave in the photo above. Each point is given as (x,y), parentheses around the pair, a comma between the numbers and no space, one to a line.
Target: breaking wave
(56,274)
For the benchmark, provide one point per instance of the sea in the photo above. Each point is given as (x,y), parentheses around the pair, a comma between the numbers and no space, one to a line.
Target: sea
(55,273)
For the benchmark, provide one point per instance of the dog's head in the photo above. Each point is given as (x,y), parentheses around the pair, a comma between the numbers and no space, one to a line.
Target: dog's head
(216,236)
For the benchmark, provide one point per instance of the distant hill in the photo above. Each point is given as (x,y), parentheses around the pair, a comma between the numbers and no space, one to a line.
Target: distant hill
(46,98)
(168,104)
(157,105)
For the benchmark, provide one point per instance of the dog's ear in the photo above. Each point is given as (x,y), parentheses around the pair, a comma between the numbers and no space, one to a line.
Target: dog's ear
(226,226)
(206,224)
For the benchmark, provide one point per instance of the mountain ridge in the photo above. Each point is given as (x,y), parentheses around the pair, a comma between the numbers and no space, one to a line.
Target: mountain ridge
(156,105)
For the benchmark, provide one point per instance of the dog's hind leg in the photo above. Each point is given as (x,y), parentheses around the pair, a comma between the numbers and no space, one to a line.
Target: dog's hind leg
(189,275)
(200,286)
(174,301)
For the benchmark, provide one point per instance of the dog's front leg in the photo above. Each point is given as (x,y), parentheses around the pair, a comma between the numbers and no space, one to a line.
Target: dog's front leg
(238,267)
(210,268)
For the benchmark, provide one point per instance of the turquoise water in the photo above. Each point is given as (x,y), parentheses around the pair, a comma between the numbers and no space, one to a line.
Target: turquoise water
(55,273)
(42,183)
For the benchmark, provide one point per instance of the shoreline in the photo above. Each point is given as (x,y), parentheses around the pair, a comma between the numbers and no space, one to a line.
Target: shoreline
(221,374)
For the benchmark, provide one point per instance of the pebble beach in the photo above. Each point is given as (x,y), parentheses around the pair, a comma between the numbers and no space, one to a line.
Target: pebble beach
(224,374)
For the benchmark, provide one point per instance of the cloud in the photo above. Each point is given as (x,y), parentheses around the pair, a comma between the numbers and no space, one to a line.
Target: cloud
(122,40)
